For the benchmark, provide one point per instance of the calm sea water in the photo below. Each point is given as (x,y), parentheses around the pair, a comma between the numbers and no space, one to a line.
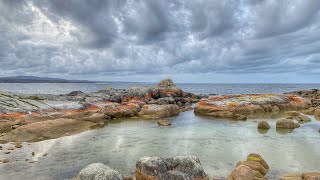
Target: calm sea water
(62,88)
(219,144)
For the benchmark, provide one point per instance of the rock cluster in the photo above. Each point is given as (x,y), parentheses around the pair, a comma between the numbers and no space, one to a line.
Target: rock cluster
(313,95)
(179,167)
(254,168)
(237,106)
(44,116)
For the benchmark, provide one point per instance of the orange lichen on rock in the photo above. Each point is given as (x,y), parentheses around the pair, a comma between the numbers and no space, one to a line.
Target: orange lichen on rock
(167,92)
(17,115)
(296,99)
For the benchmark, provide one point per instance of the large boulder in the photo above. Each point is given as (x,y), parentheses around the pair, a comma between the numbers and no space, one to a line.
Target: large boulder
(255,167)
(176,168)
(166,88)
(99,171)
(158,111)
(233,106)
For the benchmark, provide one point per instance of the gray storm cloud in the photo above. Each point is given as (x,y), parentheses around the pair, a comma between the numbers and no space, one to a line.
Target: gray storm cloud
(146,36)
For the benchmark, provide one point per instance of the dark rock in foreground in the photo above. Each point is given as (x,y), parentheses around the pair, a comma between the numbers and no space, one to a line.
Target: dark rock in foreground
(176,168)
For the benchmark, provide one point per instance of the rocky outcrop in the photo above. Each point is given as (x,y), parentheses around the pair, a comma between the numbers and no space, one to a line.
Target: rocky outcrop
(20,113)
(179,167)
(235,106)
(99,171)
(166,88)
(263,125)
(255,167)
(313,95)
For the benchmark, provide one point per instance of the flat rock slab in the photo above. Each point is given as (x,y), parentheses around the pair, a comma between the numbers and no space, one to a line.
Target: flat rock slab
(231,106)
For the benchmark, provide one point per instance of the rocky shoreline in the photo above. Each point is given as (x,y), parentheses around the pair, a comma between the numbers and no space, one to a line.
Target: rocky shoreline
(32,118)
(186,168)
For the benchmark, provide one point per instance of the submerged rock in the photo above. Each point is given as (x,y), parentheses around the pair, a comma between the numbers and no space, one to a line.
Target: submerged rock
(234,106)
(302,118)
(179,167)
(164,123)
(263,125)
(99,171)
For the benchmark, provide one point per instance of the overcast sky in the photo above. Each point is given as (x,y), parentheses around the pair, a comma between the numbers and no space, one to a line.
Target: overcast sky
(147,40)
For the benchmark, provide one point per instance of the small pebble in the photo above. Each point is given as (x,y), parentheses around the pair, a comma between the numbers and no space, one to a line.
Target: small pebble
(45,154)
(33,153)
(5,160)
(7,152)
(11,148)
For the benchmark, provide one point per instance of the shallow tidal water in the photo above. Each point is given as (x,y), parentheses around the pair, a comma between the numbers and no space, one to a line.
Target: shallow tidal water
(219,144)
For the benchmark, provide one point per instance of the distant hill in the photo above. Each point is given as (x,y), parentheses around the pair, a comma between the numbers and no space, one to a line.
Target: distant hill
(34,79)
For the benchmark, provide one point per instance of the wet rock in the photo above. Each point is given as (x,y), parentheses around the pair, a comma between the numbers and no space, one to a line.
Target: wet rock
(302,118)
(291,113)
(164,123)
(99,171)
(285,124)
(232,106)
(158,111)
(180,167)
(311,175)
(18,145)
(5,160)
(263,125)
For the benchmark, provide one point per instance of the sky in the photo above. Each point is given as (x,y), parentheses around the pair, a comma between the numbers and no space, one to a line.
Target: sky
(207,41)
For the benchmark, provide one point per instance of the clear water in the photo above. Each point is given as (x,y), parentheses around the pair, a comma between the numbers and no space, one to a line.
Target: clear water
(219,144)
(62,88)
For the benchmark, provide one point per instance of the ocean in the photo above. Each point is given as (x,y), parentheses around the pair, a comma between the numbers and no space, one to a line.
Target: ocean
(202,88)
